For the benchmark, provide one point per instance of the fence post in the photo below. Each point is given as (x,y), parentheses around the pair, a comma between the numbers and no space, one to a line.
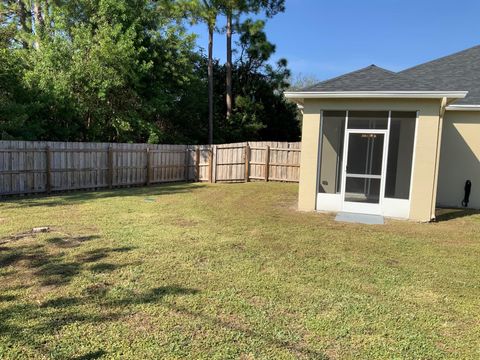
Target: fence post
(214,163)
(110,167)
(48,184)
(149,170)
(187,164)
(267,162)
(210,164)
(247,163)
(197,164)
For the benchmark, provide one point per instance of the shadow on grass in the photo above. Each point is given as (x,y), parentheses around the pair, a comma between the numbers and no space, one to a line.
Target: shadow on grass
(50,267)
(71,241)
(297,349)
(84,196)
(90,356)
(48,263)
(154,295)
(451,214)
(5,298)
(157,295)
(28,323)
(97,293)
(104,267)
(119,308)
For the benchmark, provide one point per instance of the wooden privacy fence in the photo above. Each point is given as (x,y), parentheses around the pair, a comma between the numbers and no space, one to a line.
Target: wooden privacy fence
(43,167)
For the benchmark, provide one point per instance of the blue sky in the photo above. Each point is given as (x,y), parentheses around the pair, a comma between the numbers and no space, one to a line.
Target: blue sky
(327,38)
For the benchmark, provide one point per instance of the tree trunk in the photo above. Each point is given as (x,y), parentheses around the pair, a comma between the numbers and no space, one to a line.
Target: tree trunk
(37,10)
(39,23)
(229,64)
(22,16)
(210,84)
(46,14)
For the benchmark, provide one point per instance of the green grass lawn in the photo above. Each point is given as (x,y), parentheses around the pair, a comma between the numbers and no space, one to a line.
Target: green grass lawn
(231,271)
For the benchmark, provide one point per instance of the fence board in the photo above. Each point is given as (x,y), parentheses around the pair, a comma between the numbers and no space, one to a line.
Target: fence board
(25,168)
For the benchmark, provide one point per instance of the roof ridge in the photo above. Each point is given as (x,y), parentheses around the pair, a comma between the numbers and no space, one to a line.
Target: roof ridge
(344,75)
(440,58)
(398,74)
(387,70)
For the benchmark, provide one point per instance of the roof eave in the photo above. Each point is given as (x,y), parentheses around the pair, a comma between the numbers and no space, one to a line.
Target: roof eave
(300,95)
(463,108)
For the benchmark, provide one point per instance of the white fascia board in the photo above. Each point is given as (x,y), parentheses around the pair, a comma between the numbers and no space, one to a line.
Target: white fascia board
(375,94)
(463,108)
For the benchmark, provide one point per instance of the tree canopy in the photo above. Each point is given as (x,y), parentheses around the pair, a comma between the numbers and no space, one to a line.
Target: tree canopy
(129,71)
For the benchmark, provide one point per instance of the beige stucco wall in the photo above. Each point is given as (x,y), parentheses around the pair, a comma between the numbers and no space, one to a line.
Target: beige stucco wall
(459,158)
(307,187)
(424,166)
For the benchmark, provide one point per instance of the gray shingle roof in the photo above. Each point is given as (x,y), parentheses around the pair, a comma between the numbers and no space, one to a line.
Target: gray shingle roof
(456,72)
(459,71)
(372,78)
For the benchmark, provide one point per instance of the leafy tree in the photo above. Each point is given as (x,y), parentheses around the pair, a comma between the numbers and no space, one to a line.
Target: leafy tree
(127,70)
(208,11)
(116,67)
(233,10)
(260,112)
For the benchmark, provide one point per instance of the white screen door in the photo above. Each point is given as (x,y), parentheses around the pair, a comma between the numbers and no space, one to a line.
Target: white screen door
(364,171)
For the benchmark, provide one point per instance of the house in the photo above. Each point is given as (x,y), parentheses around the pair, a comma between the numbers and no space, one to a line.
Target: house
(396,144)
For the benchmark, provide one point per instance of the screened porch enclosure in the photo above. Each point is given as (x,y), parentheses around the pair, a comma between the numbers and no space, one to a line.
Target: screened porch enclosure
(366,161)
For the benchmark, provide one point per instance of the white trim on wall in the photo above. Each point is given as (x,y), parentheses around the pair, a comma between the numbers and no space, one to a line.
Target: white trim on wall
(396,208)
(329,202)
(413,157)
(386,146)
(319,154)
